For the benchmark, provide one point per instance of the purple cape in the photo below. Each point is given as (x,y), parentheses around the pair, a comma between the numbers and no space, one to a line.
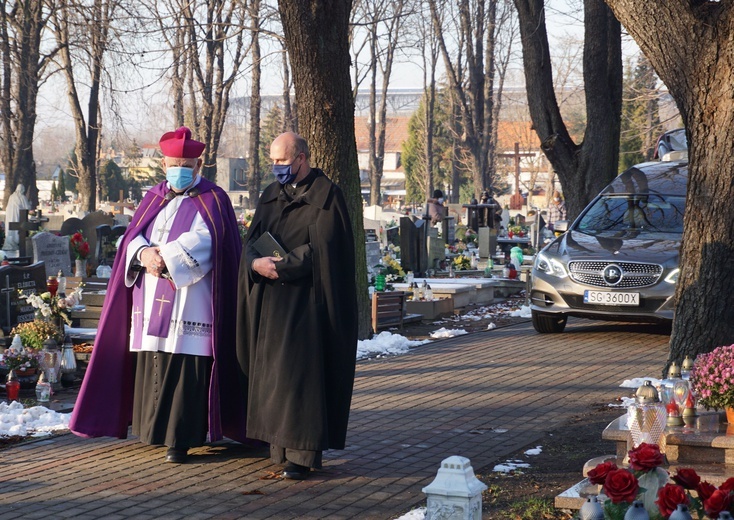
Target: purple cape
(105,402)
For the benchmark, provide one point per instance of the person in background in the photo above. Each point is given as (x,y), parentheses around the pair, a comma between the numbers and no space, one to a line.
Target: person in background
(297,314)
(436,208)
(492,217)
(164,354)
(556,210)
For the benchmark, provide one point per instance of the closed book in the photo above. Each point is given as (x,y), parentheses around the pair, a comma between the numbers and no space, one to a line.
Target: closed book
(266,245)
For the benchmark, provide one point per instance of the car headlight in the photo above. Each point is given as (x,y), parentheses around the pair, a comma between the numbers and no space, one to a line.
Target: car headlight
(673,276)
(549,266)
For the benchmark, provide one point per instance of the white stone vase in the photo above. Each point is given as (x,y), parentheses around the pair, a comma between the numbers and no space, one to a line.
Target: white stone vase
(80,268)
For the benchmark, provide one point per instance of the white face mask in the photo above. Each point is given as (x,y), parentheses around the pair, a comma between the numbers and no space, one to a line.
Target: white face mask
(440,200)
(557,200)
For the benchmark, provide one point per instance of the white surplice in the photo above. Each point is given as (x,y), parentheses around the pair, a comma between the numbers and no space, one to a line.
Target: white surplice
(189,262)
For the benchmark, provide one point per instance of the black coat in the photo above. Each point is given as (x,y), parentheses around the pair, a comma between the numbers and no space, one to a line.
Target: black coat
(298,334)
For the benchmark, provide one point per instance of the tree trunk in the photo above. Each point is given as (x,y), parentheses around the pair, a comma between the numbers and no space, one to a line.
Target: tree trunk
(692,51)
(582,169)
(316,33)
(254,177)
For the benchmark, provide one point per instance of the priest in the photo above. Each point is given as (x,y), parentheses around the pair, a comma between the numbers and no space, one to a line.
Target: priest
(164,355)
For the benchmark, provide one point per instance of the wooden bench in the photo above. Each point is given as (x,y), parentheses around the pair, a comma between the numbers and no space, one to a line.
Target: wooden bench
(388,309)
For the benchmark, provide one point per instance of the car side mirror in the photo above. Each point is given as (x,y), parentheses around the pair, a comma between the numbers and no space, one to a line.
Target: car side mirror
(561,226)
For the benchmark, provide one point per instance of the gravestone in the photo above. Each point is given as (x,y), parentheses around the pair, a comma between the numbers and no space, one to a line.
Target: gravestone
(89,229)
(122,220)
(393,235)
(373,225)
(436,249)
(374,254)
(413,248)
(370,235)
(373,213)
(487,242)
(107,243)
(53,251)
(70,226)
(13,281)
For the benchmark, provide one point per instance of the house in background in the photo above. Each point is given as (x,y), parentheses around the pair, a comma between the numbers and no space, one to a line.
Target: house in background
(392,185)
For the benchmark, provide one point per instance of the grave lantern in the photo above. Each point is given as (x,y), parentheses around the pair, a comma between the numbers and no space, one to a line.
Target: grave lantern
(51,362)
(68,363)
(647,417)
(668,397)
(455,492)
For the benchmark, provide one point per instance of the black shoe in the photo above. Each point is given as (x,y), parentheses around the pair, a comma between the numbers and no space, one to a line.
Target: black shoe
(295,471)
(176,455)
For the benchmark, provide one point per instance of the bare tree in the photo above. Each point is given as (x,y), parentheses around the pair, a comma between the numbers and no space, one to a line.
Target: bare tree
(383,21)
(317,37)
(84,33)
(24,66)
(208,50)
(692,51)
(583,169)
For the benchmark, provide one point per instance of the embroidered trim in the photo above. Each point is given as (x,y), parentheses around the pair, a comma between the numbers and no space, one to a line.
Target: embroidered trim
(186,328)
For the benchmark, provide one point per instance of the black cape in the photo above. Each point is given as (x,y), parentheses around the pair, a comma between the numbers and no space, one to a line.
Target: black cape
(298,334)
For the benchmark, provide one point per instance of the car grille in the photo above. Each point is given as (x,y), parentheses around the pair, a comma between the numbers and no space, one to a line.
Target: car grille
(634,274)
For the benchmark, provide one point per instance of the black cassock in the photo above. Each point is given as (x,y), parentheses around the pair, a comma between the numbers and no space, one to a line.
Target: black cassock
(298,334)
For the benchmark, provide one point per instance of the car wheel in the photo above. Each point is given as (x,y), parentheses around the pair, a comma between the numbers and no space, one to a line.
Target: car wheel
(549,323)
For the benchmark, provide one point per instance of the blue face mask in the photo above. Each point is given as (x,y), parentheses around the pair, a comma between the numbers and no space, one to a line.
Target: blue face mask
(284,172)
(180,177)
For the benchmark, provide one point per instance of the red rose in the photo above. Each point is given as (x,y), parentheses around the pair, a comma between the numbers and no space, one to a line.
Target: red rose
(728,485)
(599,474)
(621,486)
(718,501)
(646,457)
(687,477)
(669,496)
(705,490)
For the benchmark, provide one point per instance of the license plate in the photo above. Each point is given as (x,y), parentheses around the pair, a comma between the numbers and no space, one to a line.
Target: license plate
(611,298)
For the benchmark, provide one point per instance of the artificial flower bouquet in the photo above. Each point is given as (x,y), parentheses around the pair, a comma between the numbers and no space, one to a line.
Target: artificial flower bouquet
(645,480)
(79,246)
(23,360)
(712,378)
(50,306)
(462,263)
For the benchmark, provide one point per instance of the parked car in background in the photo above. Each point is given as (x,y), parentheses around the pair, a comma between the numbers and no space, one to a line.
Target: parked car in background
(671,141)
(619,259)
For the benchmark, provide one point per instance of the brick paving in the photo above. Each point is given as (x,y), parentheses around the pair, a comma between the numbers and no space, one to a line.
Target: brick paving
(482,396)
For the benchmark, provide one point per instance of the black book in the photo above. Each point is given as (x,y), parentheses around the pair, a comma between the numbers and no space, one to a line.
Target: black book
(266,245)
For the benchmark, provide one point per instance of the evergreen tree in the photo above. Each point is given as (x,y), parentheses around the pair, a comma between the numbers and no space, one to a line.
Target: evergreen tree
(111,182)
(61,188)
(271,128)
(54,192)
(413,157)
(640,114)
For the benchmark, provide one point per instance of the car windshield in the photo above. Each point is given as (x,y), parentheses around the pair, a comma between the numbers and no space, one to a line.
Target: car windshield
(634,213)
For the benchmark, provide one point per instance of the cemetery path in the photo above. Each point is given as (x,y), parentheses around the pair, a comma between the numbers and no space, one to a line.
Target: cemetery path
(483,396)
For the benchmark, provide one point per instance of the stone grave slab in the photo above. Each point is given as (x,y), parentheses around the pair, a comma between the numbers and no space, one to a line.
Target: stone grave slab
(55,220)
(53,251)
(373,250)
(89,229)
(413,245)
(487,241)
(28,280)
(436,249)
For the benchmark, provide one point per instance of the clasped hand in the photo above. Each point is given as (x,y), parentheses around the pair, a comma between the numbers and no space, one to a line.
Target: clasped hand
(265,266)
(152,260)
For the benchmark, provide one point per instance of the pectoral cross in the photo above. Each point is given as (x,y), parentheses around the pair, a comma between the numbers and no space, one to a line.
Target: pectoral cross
(162,231)
(163,300)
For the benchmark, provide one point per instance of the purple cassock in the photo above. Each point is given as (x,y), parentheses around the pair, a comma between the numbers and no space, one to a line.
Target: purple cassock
(105,403)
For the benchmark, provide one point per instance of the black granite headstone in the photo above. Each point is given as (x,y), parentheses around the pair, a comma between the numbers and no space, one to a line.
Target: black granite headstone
(15,280)
(413,245)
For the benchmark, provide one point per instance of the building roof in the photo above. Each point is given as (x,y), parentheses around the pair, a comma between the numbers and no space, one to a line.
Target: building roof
(396,133)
